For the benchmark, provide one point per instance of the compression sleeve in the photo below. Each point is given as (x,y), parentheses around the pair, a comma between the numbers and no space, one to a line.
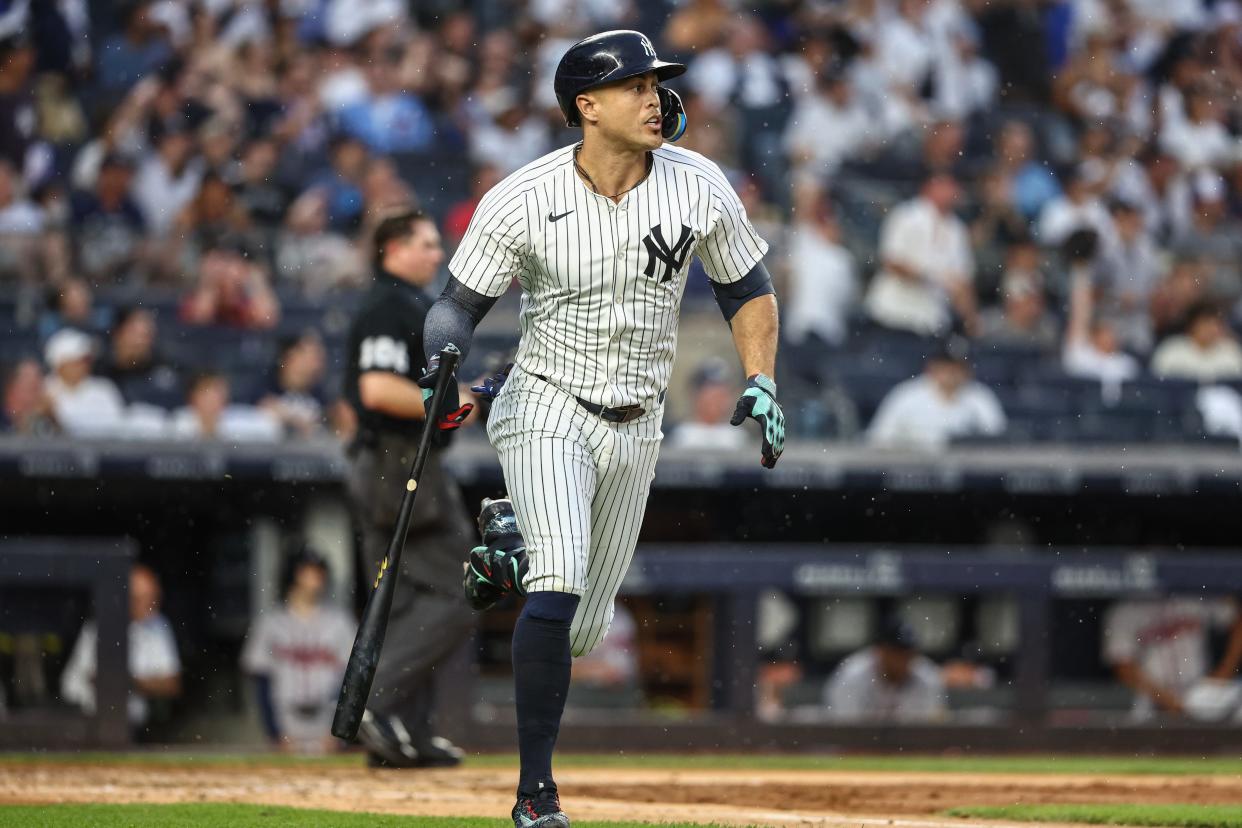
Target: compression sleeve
(757,282)
(453,318)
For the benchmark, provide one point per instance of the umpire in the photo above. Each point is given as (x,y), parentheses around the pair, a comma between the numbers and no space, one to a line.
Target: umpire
(429,620)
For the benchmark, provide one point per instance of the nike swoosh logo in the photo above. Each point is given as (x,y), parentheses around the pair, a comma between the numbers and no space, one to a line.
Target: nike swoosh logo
(554,219)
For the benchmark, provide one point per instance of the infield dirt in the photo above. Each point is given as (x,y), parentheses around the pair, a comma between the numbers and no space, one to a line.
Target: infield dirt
(737,796)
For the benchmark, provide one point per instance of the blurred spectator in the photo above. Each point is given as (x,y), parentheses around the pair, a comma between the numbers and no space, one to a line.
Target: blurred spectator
(138,50)
(1033,185)
(1022,319)
(1182,288)
(342,183)
(1131,271)
(509,136)
(210,416)
(22,226)
(154,666)
(1200,139)
(232,290)
(1212,238)
(259,195)
(715,393)
(389,119)
(890,681)
(213,213)
(1092,347)
(296,655)
(27,406)
(1159,648)
(109,229)
(997,223)
(823,276)
(1207,351)
(927,264)
(295,396)
(613,665)
(167,180)
(18,121)
(72,304)
(133,364)
(484,178)
(697,25)
(1078,208)
(829,126)
(942,404)
(84,405)
(310,254)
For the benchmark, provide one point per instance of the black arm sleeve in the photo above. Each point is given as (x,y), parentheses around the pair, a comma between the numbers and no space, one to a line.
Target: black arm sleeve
(454,317)
(731,297)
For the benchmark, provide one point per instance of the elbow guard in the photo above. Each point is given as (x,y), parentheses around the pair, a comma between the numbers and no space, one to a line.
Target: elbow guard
(731,297)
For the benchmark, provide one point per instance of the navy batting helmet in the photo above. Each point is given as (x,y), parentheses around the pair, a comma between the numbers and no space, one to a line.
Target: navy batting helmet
(613,56)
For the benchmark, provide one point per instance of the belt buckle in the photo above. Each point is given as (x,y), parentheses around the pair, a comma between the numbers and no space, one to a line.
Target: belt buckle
(628,412)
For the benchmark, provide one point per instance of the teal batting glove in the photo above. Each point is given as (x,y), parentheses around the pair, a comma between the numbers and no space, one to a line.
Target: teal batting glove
(759,401)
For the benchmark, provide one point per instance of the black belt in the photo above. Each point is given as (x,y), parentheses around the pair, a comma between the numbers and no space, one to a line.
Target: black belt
(619,414)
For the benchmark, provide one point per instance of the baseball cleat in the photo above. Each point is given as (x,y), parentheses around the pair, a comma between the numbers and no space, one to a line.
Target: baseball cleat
(543,810)
(389,745)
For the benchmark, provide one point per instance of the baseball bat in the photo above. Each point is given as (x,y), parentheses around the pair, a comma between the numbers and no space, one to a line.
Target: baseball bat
(364,657)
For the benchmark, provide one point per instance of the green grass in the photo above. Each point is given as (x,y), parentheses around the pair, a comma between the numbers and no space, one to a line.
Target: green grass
(241,816)
(1110,765)
(1174,816)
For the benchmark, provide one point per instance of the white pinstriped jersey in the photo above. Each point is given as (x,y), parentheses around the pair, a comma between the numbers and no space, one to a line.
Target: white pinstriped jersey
(602,282)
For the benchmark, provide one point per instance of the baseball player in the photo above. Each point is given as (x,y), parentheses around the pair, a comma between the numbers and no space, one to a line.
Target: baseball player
(600,236)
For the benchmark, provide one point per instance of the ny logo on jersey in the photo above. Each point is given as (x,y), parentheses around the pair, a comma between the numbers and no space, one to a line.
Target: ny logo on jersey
(671,257)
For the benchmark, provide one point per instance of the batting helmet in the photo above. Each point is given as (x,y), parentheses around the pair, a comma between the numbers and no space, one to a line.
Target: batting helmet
(613,56)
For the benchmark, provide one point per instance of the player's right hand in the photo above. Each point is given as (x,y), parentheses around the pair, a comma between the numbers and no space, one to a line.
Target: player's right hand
(453,413)
(758,402)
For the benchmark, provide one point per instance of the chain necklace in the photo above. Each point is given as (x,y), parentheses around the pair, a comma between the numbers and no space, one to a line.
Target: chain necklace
(595,189)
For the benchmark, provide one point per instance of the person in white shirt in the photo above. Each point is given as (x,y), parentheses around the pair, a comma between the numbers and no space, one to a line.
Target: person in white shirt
(928,266)
(714,395)
(1079,208)
(154,666)
(1158,647)
(297,655)
(829,127)
(84,405)
(823,276)
(1092,344)
(210,416)
(1206,352)
(1200,139)
(927,412)
(167,181)
(889,681)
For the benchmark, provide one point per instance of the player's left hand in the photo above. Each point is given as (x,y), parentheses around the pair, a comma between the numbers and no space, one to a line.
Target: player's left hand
(759,402)
(453,413)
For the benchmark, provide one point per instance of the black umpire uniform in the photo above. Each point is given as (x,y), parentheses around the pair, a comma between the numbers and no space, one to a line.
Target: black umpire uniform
(429,618)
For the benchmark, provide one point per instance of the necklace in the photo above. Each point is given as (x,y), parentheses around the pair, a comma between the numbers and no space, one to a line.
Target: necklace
(595,189)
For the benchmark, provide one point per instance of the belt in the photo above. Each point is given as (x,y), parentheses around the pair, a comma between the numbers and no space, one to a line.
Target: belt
(618,414)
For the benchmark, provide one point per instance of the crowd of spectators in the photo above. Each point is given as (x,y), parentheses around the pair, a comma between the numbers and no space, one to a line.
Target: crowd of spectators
(1058,183)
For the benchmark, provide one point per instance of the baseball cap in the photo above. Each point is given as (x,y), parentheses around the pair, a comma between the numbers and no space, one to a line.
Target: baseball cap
(67,345)
(896,633)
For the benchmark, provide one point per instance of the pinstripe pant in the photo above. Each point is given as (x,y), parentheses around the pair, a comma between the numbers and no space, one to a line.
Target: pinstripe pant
(579,486)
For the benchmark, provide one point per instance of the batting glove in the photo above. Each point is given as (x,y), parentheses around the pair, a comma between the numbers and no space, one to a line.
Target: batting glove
(455,412)
(490,387)
(758,401)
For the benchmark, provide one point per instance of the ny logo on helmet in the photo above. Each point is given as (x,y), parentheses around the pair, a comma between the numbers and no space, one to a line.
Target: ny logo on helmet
(658,250)
(647,47)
